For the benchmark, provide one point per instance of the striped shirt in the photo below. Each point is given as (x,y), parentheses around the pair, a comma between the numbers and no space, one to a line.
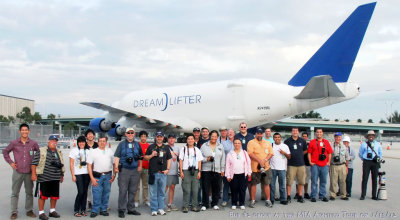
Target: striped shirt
(50,172)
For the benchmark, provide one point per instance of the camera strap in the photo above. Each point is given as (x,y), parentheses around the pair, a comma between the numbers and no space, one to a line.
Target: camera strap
(318,145)
(84,155)
(194,157)
(369,146)
(132,149)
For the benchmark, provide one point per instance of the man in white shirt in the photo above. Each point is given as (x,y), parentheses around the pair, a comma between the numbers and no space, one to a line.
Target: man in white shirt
(279,166)
(101,161)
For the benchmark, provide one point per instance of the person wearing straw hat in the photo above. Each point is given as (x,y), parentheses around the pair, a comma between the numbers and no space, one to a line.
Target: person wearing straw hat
(370,152)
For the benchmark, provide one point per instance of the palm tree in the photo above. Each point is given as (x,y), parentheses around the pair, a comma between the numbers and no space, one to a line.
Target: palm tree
(394,118)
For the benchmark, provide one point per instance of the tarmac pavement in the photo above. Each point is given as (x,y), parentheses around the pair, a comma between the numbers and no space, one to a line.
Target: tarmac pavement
(338,209)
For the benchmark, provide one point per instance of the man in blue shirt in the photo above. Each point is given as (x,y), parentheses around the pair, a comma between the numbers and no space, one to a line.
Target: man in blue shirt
(244,136)
(129,156)
(369,151)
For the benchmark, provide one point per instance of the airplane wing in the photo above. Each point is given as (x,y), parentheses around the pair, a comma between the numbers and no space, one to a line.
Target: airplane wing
(136,117)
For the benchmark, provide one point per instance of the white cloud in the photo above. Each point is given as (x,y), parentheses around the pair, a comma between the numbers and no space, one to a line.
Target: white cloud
(84,43)
(8,22)
(388,45)
(259,28)
(389,30)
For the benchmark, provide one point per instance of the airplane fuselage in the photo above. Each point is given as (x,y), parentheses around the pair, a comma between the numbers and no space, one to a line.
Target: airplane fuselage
(224,103)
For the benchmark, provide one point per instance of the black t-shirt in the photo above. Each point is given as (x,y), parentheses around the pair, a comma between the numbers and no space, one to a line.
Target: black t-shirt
(306,161)
(95,145)
(158,163)
(297,149)
(245,139)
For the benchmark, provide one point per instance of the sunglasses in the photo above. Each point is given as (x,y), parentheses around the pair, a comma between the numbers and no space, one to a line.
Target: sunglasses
(243,127)
(130,132)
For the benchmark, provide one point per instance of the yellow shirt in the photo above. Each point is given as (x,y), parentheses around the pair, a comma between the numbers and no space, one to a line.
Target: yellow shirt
(260,149)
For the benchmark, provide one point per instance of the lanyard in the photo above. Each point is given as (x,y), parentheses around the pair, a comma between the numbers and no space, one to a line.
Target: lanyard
(84,154)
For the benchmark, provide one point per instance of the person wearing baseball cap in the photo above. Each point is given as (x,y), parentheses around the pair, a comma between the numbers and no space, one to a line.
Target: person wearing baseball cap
(260,152)
(338,168)
(159,157)
(128,164)
(352,154)
(172,176)
(196,134)
(205,136)
(368,152)
(48,170)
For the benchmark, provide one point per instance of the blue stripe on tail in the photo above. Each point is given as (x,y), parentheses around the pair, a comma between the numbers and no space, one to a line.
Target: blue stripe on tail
(336,57)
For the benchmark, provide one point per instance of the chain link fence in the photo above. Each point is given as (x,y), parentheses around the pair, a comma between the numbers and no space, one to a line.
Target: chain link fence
(9,132)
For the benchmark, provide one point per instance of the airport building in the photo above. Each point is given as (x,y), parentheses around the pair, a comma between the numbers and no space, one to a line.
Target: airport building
(10,106)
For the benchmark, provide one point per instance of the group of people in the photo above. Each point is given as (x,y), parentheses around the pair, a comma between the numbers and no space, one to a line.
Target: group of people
(209,163)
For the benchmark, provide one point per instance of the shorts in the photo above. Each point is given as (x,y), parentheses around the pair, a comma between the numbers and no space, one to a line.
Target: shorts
(50,189)
(308,175)
(172,180)
(298,172)
(257,177)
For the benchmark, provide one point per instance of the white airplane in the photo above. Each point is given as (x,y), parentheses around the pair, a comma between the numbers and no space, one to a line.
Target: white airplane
(322,81)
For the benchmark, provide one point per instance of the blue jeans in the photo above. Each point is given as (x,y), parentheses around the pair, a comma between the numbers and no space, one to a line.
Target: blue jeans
(101,193)
(225,190)
(157,192)
(281,174)
(349,181)
(320,173)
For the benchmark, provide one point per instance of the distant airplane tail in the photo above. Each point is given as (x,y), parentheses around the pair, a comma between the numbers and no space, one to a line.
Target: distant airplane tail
(336,56)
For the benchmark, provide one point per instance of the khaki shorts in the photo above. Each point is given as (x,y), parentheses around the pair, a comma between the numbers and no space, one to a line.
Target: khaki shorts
(257,177)
(298,172)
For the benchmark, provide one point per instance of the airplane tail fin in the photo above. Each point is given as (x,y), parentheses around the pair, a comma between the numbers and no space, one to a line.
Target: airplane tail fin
(336,56)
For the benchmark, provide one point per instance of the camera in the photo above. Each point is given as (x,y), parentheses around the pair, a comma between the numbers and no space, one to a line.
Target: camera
(369,155)
(211,159)
(137,157)
(192,169)
(57,164)
(262,170)
(322,157)
(378,160)
(129,160)
(83,163)
(336,159)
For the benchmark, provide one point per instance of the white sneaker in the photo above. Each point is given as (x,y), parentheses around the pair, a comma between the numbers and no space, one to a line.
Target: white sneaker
(242,207)
(147,203)
(203,208)
(161,212)
(223,204)
(233,207)
(136,204)
(216,207)
(153,213)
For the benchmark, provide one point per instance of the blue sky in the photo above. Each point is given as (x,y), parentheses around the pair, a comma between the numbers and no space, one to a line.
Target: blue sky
(60,53)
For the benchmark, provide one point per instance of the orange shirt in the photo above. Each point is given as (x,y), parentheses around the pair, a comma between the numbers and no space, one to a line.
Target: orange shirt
(260,149)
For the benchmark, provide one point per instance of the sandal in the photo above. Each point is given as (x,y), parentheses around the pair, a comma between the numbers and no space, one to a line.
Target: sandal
(83,214)
(77,214)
